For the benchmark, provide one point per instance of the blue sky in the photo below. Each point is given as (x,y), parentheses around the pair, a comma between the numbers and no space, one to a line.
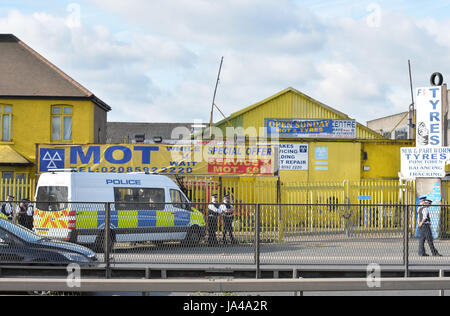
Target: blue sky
(156,61)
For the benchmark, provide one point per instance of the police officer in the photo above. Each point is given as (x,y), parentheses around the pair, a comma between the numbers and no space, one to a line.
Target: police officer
(227,216)
(30,214)
(424,225)
(26,214)
(7,208)
(213,216)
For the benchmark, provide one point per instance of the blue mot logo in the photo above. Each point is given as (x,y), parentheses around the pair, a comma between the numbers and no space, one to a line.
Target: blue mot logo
(51,159)
(94,154)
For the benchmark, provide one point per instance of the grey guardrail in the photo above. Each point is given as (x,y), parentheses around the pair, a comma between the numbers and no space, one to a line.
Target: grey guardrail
(222,285)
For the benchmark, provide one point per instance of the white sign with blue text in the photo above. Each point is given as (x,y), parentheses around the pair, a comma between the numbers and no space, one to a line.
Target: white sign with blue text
(293,157)
(429,117)
(424,162)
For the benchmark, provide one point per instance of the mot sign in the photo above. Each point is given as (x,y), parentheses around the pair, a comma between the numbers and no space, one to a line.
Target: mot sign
(425,162)
(429,117)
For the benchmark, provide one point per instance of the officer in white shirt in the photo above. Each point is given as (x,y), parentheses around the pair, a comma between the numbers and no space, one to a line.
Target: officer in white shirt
(213,216)
(424,226)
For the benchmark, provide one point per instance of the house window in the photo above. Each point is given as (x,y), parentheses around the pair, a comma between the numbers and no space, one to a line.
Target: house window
(401,134)
(7,175)
(62,122)
(5,122)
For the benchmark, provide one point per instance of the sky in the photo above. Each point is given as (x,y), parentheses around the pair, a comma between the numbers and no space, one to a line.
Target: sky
(157,61)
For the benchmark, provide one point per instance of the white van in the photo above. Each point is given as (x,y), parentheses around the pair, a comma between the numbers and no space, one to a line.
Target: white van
(71,206)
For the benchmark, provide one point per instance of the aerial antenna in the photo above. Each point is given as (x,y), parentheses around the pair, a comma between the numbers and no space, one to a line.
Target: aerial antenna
(214,99)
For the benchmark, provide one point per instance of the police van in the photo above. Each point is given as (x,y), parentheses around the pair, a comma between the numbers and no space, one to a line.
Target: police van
(71,206)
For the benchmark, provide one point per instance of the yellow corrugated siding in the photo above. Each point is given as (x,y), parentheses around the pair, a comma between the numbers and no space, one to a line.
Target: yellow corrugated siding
(306,108)
(290,104)
(276,108)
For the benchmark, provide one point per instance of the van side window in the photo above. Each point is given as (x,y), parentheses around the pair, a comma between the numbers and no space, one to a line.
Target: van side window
(134,199)
(178,200)
(49,198)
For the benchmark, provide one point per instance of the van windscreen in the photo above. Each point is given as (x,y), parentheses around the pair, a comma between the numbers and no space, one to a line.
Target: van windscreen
(50,199)
(139,199)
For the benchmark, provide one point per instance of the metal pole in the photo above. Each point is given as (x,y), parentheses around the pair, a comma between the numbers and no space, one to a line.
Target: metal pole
(257,240)
(214,99)
(280,216)
(406,240)
(147,276)
(106,239)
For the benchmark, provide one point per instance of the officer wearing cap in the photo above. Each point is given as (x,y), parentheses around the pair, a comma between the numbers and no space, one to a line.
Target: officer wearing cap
(424,226)
(7,208)
(213,217)
(227,215)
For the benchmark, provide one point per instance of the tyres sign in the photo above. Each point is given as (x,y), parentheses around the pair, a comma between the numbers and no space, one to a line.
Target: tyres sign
(429,117)
(424,162)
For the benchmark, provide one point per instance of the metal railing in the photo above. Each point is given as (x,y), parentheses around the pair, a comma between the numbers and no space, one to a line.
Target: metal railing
(220,285)
(19,188)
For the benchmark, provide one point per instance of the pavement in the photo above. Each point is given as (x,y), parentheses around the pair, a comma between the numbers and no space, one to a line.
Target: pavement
(325,249)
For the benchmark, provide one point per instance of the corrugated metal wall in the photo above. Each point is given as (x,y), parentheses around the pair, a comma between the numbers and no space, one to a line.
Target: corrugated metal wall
(291,104)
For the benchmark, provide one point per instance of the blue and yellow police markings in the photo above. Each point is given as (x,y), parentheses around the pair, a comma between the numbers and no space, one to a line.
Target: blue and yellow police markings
(139,219)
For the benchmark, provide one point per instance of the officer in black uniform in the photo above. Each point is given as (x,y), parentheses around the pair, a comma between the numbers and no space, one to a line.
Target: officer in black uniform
(424,226)
(227,216)
(22,213)
(213,217)
(29,214)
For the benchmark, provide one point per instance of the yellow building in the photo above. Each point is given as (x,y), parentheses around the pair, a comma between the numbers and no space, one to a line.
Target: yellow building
(330,157)
(41,104)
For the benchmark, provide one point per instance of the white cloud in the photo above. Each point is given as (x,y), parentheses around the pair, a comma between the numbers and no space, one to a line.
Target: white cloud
(117,71)
(270,45)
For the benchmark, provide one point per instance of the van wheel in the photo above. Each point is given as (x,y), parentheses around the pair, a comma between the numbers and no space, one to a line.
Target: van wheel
(99,245)
(193,237)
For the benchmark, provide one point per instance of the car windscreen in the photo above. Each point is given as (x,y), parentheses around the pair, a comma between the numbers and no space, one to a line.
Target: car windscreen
(50,198)
(20,232)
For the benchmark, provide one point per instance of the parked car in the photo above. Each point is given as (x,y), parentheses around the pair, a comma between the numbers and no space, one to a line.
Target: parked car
(19,245)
